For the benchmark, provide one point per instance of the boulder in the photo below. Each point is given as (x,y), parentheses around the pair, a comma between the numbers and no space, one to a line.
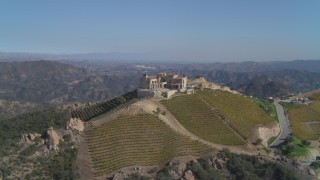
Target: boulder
(120,176)
(188,175)
(75,124)
(29,137)
(176,168)
(52,139)
(218,164)
(311,172)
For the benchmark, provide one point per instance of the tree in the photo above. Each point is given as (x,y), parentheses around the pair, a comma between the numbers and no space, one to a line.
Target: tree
(290,148)
(305,142)
(315,164)
(289,139)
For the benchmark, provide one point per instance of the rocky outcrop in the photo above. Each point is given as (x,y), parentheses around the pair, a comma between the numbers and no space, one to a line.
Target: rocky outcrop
(29,137)
(188,175)
(75,124)
(203,83)
(176,168)
(52,139)
(120,176)
(216,162)
(311,172)
(265,132)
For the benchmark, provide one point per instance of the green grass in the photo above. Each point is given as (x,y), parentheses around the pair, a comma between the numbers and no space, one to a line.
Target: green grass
(271,140)
(197,117)
(287,106)
(242,112)
(137,140)
(299,149)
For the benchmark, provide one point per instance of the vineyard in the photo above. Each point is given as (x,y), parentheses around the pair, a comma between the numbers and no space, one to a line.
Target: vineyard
(240,111)
(197,117)
(88,112)
(305,119)
(137,140)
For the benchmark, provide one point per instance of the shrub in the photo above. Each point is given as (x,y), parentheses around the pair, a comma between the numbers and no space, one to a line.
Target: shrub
(315,164)
(305,142)
(67,137)
(289,139)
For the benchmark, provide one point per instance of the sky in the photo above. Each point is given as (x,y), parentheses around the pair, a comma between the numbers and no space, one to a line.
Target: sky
(177,30)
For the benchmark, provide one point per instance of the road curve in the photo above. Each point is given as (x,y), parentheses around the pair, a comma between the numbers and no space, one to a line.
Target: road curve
(284,125)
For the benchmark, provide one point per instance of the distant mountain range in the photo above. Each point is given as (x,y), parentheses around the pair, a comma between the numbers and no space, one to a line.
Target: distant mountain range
(51,83)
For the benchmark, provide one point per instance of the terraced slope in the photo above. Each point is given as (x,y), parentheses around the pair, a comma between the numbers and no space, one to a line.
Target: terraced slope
(241,111)
(137,140)
(305,119)
(198,118)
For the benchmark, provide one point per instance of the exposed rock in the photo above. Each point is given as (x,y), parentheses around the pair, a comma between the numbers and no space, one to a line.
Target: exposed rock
(120,175)
(296,163)
(137,170)
(75,124)
(188,175)
(52,139)
(265,132)
(203,83)
(218,164)
(29,137)
(311,172)
(176,168)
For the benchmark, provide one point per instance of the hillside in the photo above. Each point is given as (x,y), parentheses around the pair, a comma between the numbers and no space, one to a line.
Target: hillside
(48,83)
(198,118)
(140,139)
(305,119)
(137,140)
(221,116)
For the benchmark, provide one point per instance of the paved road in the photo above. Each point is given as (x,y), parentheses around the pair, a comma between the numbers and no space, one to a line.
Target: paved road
(284,125)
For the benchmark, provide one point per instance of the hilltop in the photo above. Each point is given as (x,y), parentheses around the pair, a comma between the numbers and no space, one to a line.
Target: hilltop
(144,135)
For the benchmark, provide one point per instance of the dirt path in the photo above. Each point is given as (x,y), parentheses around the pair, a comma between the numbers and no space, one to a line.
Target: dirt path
(150,105)
(83,163)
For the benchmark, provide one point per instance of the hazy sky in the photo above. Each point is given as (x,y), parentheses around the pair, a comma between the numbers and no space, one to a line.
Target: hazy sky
(223,30)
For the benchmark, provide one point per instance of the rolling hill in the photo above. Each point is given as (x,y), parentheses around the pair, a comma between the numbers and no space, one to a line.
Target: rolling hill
(137,140)
(305,118)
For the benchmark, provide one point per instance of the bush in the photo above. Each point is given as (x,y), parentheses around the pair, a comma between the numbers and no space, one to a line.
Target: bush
(164,174)
(315,164)
(289,139)
(290,148)
(67,137)
(305,142)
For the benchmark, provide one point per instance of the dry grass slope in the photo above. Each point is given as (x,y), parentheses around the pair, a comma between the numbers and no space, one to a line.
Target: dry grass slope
(241,111)
(137,140)
(197,117)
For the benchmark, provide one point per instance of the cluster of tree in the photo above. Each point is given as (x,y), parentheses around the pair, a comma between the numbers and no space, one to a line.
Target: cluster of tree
(56,165)
(97,109)
(237,167)
(288,145)
(315,164)
(37,122)
(249,167)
